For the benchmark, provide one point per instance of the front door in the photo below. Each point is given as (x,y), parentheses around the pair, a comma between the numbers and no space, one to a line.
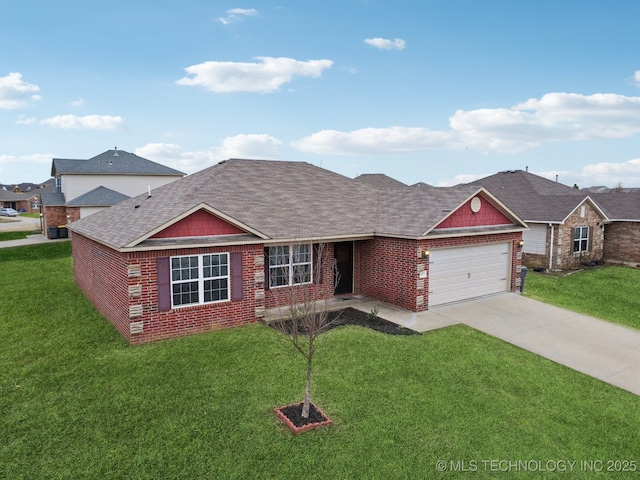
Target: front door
(343,253)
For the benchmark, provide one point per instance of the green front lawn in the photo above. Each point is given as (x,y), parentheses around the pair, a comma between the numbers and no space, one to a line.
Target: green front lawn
(76,401)
(610,293)
(4,236)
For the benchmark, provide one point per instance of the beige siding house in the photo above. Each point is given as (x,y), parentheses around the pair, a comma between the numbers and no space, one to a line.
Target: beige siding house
(84,187)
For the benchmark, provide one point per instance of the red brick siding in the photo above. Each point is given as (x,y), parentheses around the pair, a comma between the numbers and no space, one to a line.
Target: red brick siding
(621,242)
(464,217)
(103,276)
(199,224)
(388,270)
(59,215)
(101,273)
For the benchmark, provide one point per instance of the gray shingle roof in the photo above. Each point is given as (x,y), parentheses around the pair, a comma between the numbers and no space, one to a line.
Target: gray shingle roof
(412,211)
(52,199)
(277,201)
(380,180)
(619,205)
(531,197)
(98,197)
(111,162)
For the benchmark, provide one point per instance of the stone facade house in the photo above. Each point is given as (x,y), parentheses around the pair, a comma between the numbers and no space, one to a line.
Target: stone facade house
(220,247)
(83,187)
(566,225)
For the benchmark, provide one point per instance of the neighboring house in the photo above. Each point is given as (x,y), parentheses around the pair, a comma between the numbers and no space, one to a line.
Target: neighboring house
(83,187)
(622,231)
(214,249)
(566,225)
(23,197)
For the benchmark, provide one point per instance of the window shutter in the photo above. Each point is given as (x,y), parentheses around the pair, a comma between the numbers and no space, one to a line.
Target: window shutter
(590,237)
(163,272)
(266,268)
(317,264)
(236,276)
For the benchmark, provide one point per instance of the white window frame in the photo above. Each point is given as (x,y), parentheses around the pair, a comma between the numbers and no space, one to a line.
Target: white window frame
(201,279)
(290,265)
(584,236)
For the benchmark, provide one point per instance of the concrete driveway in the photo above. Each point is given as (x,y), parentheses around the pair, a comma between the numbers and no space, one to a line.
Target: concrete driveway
(19,224)
(597,348)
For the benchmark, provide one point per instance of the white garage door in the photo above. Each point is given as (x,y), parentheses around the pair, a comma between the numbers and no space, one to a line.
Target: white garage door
(468,272)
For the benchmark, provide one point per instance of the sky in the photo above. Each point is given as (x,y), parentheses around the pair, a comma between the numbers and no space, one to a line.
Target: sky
(434,91)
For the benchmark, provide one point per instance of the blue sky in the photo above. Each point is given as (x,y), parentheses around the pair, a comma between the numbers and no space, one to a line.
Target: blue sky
(435,91)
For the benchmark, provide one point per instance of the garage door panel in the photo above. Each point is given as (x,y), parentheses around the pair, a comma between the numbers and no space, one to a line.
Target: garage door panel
(468,272)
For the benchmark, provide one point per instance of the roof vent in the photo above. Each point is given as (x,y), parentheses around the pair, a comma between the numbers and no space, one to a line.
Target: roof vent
(115,154)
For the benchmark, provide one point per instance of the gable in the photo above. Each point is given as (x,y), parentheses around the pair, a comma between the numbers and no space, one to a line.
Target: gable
(465,216)
(199,224)
(586,213)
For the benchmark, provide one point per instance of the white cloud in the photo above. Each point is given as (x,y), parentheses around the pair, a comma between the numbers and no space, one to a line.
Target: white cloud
(16,93)
(24,120)
(40,158)
(238,146)
(265,76)
(236,15)
(556,117)
(610,173)
(462,178)
(374,141)
(636,78)
(88,122)
(249,146)
(386,44)
(77,103)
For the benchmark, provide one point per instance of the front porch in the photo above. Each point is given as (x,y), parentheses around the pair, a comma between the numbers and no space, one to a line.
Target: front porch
(416,321)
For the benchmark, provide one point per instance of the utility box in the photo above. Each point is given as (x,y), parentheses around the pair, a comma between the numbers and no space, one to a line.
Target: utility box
(523,274)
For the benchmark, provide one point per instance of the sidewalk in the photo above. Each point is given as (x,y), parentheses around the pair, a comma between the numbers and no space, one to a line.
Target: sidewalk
(30,240)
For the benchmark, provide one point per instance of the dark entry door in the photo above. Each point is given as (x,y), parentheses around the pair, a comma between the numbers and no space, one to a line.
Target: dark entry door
(343,253)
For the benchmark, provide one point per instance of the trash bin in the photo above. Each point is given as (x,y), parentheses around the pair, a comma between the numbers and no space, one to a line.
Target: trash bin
(53,232)
(523,274)
(62,231)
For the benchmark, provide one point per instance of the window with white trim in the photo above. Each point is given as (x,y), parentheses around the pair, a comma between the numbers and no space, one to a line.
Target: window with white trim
(580,239)
(198,279)
(289,265)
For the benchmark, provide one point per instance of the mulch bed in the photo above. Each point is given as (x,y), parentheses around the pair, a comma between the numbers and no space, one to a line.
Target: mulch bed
(352,316)
(291,415)
(294,414)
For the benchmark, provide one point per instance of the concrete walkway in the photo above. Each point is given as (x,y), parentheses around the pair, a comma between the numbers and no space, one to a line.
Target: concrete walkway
(30,240)
(595,347)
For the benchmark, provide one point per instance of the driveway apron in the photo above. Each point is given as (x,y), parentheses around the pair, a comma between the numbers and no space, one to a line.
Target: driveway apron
(595,347)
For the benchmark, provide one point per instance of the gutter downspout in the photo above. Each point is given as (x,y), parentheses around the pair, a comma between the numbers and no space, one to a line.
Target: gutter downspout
(551,248)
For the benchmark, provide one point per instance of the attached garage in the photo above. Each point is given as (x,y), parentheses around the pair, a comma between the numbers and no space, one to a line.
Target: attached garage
(463,273)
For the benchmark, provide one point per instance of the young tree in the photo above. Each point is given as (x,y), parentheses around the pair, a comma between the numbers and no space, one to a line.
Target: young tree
(306,316)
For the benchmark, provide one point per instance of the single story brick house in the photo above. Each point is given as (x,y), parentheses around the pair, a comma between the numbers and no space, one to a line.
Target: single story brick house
(216,248)
(566,225)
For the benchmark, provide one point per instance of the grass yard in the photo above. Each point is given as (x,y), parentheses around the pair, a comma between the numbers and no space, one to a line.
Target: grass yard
(610,293)
(76,401)
(4,236)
